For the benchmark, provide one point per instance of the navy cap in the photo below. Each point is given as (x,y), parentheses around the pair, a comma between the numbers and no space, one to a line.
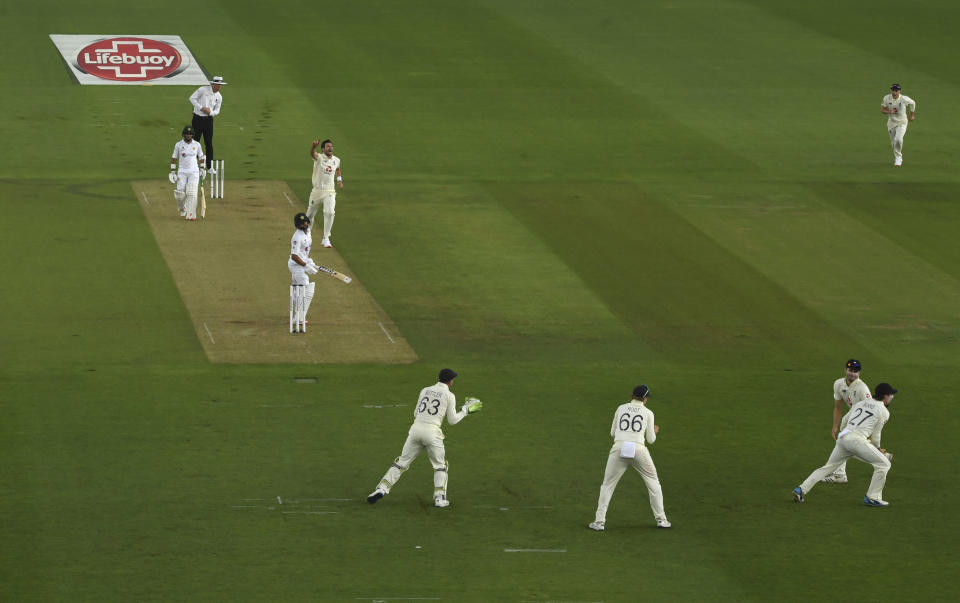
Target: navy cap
(446,375)
(641,391)
(882,390)
(853,365)
(895,87)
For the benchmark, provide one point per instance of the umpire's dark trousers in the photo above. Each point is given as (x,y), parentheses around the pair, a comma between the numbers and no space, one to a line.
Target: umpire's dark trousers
(203,131)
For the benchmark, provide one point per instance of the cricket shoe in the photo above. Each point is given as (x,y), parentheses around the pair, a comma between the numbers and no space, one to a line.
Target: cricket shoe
(326,243)
(597,525)
(441,502)
(376,495)
(898,162)
(836,478)
(875,502)
(798,494)
(663,523)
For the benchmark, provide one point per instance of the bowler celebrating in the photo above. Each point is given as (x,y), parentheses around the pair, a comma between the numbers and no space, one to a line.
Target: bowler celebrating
(326,169)
(900,110)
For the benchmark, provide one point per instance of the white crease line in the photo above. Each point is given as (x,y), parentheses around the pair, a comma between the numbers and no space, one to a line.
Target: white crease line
(209,333)
(534,550)
(385,333)
(145,200)
(289,200)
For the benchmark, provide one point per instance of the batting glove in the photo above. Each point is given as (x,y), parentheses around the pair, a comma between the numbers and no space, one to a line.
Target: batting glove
(172,177)
(472,405)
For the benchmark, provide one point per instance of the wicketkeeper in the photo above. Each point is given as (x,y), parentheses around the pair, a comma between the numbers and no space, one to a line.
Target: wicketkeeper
(187,173)
(435,403)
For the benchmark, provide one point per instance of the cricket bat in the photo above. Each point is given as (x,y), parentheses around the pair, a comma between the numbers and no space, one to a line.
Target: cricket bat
(203,203)
(334,273)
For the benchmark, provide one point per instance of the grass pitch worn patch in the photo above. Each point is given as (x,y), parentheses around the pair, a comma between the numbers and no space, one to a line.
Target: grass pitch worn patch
(231,271)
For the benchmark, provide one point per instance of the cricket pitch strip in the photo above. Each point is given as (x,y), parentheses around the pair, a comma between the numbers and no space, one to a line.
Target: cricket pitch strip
(232,275)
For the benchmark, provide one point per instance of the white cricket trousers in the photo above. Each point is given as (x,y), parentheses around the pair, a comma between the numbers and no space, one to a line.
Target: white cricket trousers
(328,199)
(187,183)
(422,436)
(616,465)
(856,446)
(298,276)
(896,141)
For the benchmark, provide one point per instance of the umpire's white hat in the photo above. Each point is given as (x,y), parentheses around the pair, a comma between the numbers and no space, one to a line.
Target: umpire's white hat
(217,79)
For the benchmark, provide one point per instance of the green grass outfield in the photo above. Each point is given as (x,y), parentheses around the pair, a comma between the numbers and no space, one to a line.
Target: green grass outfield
(558,200)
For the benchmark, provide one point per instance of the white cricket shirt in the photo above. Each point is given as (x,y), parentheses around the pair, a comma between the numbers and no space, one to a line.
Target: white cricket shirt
(324,171)
(865,419)
(187,155)
(633,422)
(851,394)
(300,245)
(206,97)
(904,106)
(435,403)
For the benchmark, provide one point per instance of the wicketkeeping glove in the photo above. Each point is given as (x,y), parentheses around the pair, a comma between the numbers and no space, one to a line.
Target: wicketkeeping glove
(472,405)
(172,177)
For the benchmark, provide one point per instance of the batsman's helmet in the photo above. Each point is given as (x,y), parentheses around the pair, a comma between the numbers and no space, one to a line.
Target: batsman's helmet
(853,365)
(641,391)
(300,220)
(187,130)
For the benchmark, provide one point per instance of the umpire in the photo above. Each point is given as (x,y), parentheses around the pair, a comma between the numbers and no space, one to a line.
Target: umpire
(206,103)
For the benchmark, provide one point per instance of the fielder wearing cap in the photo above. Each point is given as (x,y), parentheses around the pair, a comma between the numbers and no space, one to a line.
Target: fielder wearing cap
(434,403)
(847,391)
(186,172)
(859,437)
(632,429)
(900,109)
(206,103)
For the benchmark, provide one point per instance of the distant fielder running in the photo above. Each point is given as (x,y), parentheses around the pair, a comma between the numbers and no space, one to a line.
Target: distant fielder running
(900,110)
(847,391)
(632,429)
(435,403)
(859,437)
(187,171)
(326,168)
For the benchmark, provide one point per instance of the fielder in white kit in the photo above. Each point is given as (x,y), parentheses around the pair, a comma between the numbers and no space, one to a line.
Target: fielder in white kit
(859,437)
(187,172)
(326,171)
(435,403)
(847,391)
(632,429)
(300,265)
(900,110)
